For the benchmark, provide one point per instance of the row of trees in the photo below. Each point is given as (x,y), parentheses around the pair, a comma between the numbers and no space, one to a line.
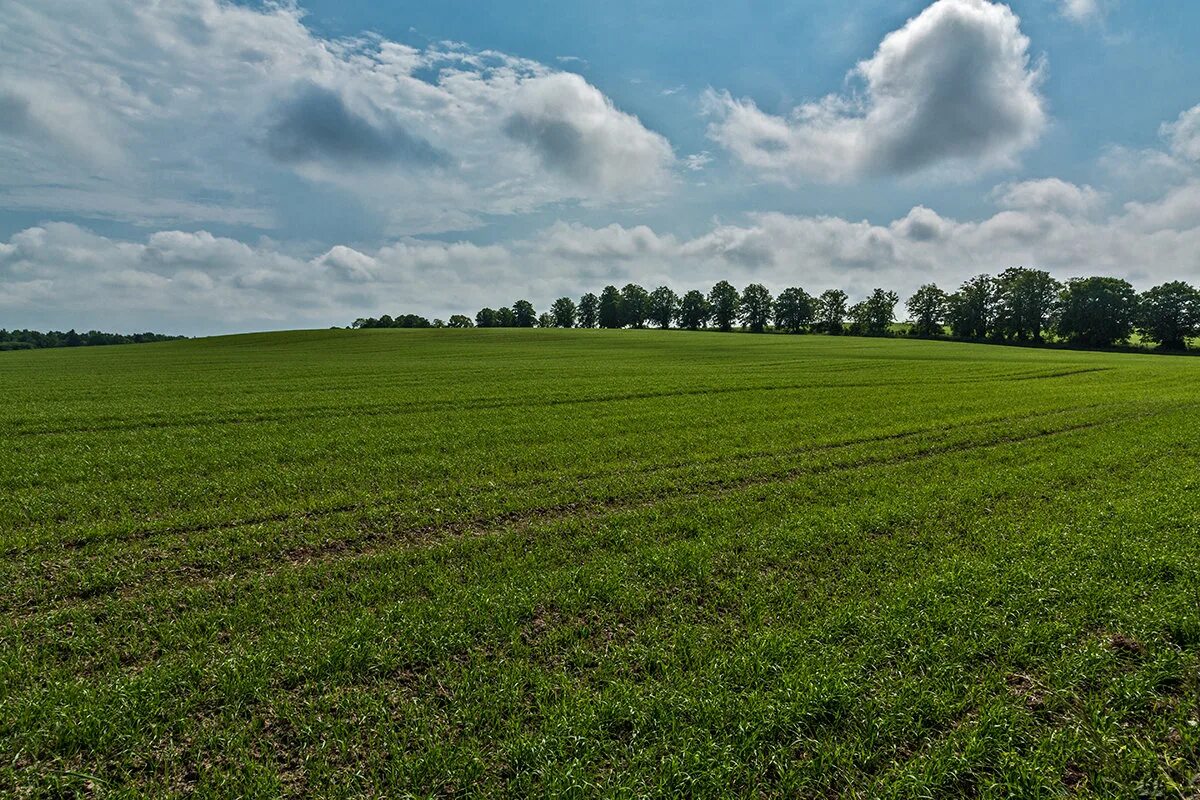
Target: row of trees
(33,340)
(1019,305)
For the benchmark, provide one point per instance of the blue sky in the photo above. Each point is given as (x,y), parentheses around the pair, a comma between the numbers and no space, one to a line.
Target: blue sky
(204,167)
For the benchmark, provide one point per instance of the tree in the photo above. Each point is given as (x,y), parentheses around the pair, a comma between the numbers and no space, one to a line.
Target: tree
(610,308)
(756,307)
(487,318)
(725,304)
(506,318)
(589,310)
(831,311)
(1097,311)
(874,316)
(526,316)
(635,305)
(971,311)
(1026,300)
(439,323)
(664,305)
(546,320)
(564,312)
(694,311)
(794,310)
(927,310)
(1169,315)
(462,321)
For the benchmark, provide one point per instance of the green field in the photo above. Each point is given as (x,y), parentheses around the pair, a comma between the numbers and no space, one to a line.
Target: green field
(509,562)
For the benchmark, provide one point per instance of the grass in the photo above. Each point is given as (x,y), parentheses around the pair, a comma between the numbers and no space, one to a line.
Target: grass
(508,562)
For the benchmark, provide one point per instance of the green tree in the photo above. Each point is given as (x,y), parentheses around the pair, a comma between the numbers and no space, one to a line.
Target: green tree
(505,318)
(635,305)
(664,305)
(564,312)
(589,310)
(927,310)
(795,310)
(725,304)
(610,308)
(546,320)
(1026,300)
(831,311)
(1169,315)
(1097,311)
(756,307)
(971,311)
(462,321)
(694,310)
(526,316)
(487,318)
(877,313)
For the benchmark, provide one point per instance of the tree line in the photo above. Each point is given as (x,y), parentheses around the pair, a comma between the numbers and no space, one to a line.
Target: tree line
(1019,305)
(34,340)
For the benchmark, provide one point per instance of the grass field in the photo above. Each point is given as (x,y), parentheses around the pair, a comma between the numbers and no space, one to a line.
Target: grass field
(510,562)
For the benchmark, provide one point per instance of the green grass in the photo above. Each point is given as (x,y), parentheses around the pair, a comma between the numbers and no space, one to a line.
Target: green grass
(598,563)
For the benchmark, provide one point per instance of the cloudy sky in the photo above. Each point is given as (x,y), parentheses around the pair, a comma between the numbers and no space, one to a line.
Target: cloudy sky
(198,166)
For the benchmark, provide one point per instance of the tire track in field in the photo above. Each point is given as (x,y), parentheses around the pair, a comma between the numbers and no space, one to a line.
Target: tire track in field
(391,409)
(379,539)
(86,542)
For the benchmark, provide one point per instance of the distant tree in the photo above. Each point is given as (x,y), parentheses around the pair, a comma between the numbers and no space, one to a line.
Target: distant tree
(589,311)
(546,320)
(971,311)
(635,305)
(74,339)
(1169,315)
(439,323)
(725,304)
(610,308)
(506,318)
(1026,300)
(756,307)
(526,316)
(386,321)
(487,318)
(664,306)
(831,311)
(1097,311)
(795,310)
(877,313)
(564,312)
(694,310)
(462,321)
(927,310)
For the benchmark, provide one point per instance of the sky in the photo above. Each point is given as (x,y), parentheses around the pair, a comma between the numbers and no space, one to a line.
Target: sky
(202,167)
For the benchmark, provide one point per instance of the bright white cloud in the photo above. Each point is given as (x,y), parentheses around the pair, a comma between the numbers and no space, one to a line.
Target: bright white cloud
(181,281)
(128,110)
(954,89)
(1048,194)
(1184,134)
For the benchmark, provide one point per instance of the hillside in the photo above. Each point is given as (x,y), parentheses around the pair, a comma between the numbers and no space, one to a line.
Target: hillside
(515,562)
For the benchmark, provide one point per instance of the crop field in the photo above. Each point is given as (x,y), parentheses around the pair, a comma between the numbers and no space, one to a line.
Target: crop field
(580,563)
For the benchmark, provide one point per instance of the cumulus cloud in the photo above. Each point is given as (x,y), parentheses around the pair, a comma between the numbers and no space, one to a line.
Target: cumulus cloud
(1184,134)
(115,109)
(953,88)
(1048,194)
(197,282)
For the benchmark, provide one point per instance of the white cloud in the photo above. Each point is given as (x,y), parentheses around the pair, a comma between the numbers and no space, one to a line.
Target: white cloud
(197,282)
(127,111)
(1184,134)
(1080,10)
(952,89)
(1048,194)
